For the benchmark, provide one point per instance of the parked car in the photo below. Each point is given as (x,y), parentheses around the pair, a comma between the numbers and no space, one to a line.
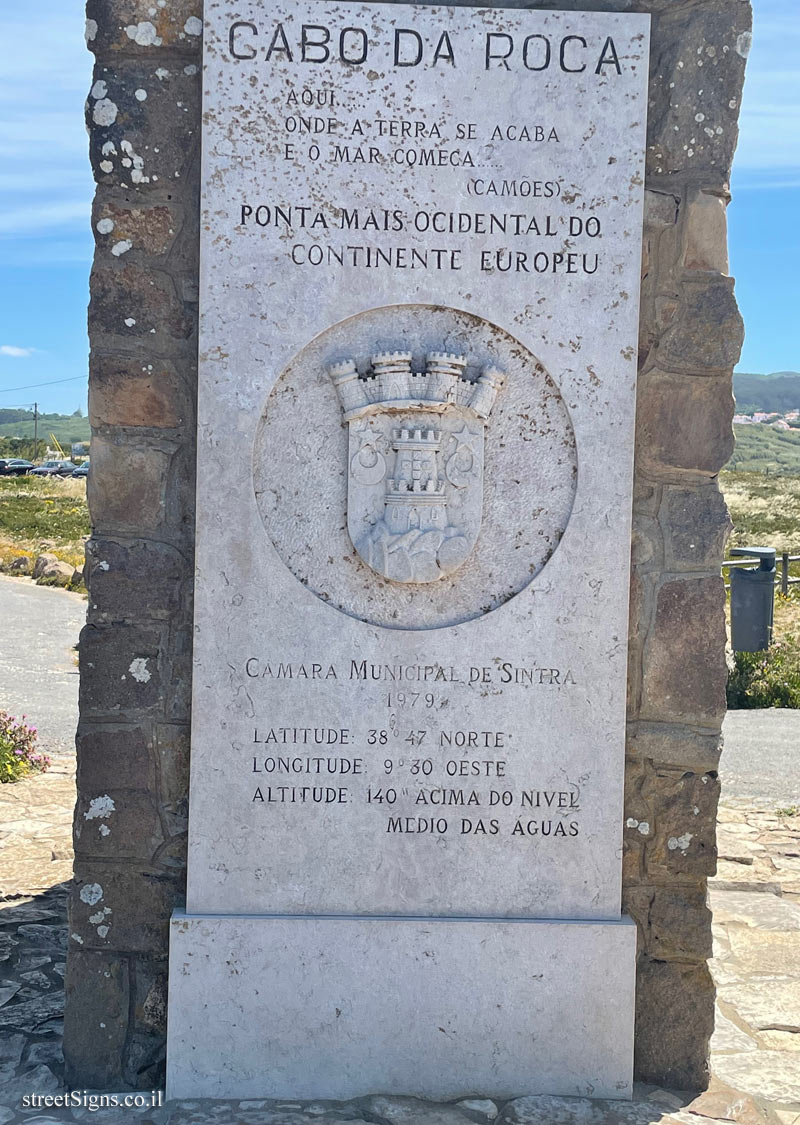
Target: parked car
(15,467)
(54,469)
(82,470)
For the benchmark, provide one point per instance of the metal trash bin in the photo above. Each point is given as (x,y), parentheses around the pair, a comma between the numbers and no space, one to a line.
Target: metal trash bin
(752,600)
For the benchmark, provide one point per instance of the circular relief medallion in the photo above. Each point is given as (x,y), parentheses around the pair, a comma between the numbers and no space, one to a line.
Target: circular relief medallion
(415,466)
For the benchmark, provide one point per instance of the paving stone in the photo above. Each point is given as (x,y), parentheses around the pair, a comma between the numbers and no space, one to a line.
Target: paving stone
(780,1040)
(728,1037)
(721,1103)
(8,989)
(773,1075)
(47,1052)
(37,1080)
(32,1014)
(766,1004)
(7,945)
(32,961)
(37,980)
(755,876)
(760,911)
(479,1109)
(49,936)
(11,1047)
(582,1111)
(31,912)
(768,953)
(412,1111)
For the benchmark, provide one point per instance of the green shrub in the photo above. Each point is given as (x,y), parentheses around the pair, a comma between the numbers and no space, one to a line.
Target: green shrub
(19,754)
(766,679)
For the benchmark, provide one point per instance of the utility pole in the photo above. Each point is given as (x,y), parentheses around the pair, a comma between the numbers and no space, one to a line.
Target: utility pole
(35,428)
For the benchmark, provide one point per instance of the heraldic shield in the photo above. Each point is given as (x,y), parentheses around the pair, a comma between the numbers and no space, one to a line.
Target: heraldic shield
(415,461)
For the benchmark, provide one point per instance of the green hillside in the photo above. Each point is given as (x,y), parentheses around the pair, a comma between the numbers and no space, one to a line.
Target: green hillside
(66,427)
(760,449)
(771,393)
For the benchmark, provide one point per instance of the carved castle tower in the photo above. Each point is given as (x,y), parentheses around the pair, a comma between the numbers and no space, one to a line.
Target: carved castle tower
(415,496)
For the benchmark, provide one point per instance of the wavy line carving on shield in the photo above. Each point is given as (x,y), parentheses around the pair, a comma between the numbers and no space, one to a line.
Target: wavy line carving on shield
(415,478)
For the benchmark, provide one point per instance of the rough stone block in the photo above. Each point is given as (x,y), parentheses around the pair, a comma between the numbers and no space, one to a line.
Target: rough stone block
(133,392)
(172,754)
(696,526)
(637,631)
(125,907)
(684,672)
(22,565)
(692,748)
(660,209)
(180,508)
(674,1022)
(674,922)
(134,301)
(152,229)
(684,422)
(146,1053)
(138,26)
(135,580)
(96,983)
(151,994)
(706,234)
(179,699)
(127,485)
(684,841)
(128,104)
(117,824)
(638,822)
(120,671)
(114,756)
(41,564)
(707,333)
(697,68)
(56,573)
(647,546)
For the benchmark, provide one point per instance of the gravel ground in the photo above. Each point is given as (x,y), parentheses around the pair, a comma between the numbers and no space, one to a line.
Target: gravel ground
(761,761)
(38,662)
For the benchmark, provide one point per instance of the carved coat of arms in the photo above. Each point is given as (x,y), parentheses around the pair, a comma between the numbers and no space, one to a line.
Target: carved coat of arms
(415,475)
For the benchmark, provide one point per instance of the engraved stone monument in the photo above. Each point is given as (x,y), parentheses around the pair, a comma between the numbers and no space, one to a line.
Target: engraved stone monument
(420,257)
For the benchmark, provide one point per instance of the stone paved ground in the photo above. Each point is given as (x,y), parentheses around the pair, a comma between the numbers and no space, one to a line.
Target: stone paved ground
(756,1047)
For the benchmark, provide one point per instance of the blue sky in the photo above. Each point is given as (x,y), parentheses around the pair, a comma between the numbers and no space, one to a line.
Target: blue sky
(46,190)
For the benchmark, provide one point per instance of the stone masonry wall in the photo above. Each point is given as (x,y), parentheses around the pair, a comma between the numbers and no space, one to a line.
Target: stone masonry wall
(143,114)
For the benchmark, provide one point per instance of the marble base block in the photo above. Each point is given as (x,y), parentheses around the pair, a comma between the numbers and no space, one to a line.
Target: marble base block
(342,1007)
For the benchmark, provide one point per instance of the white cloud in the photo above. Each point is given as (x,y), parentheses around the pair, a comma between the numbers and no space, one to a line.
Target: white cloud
(18,353)
(39,218)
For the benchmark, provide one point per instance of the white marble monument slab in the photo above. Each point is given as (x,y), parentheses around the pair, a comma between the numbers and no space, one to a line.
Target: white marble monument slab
(305,1008)
(413,701)
(420,254)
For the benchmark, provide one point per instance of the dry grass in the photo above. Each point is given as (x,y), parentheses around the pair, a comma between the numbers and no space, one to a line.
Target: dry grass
(765,510)
(40,514)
